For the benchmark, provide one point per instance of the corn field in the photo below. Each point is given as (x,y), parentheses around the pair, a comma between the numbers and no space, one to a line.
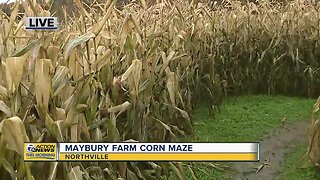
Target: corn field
(135,75)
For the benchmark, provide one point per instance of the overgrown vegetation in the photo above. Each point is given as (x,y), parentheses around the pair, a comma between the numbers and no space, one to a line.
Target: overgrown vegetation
(314,136)
(297,168)
(134,74)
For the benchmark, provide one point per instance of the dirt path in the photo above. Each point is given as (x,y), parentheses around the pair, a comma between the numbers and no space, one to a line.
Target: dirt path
(274,149)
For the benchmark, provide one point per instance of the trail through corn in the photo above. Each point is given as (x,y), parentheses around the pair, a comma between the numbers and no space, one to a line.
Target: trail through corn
(272,154)
(134,74)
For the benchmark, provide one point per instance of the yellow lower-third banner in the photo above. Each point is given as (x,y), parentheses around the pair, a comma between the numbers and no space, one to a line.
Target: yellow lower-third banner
(141,151)
(158,157)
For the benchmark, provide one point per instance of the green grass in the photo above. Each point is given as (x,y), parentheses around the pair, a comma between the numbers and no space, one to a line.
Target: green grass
(246,118)
(293,164)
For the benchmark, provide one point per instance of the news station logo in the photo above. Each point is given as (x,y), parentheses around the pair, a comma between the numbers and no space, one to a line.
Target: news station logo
(40,151)
(41,23)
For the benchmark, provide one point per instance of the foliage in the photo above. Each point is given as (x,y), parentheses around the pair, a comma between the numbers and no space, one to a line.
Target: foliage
(295,167)
(313,136)
(249,118)
(135,74)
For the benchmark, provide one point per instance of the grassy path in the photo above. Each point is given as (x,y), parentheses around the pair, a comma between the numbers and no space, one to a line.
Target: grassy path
(252,118)
(272,153)
(294,169)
